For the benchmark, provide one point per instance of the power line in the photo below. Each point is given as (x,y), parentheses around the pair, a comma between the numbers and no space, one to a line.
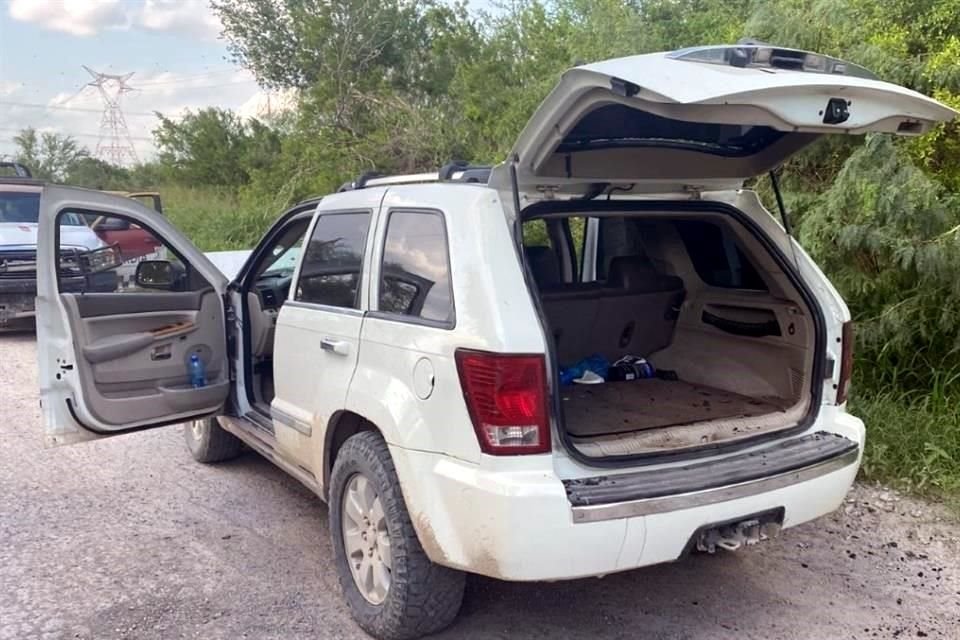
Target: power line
(76,135)
(59,107)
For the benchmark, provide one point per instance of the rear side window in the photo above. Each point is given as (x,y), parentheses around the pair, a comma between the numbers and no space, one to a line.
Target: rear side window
(415,272)
(716,257)
(331,269)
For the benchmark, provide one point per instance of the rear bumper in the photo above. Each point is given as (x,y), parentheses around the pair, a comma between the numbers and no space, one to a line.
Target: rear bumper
(521,525)
(709,481)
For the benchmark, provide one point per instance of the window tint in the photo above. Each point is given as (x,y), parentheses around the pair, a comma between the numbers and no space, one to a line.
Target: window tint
(716,257)
(19,207)
(415,273)
(331,267)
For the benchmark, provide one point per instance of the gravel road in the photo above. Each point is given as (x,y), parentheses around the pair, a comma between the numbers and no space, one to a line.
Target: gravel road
(129,538)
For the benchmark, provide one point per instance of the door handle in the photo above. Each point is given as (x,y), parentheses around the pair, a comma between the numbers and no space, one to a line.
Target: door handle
(339,347)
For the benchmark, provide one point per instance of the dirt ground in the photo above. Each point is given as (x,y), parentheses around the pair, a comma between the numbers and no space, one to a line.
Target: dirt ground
(129,538)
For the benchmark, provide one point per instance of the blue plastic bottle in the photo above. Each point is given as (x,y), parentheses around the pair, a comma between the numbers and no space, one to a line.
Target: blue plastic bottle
(198,373)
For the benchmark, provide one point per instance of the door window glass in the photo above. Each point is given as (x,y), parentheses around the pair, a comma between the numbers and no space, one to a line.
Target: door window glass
(330,272)
(281,259)
(19,207)
(104,253)
(716,257)
(415,272)
(618,237)
(575,229)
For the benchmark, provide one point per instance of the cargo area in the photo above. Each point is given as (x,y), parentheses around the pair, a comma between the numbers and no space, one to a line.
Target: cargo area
(701,299)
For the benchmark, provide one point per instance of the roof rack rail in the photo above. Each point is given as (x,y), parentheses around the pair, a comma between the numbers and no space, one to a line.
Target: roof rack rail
(452,172)
(19,170)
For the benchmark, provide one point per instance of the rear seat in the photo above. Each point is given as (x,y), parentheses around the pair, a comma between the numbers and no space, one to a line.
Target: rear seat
(571,308)
(632,312)
(638,309)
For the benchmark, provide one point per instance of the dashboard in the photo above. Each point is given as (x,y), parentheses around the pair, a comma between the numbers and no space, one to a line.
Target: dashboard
(273,290)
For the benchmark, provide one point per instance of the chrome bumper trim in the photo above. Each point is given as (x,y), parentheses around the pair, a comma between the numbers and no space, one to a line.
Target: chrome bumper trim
(648,506)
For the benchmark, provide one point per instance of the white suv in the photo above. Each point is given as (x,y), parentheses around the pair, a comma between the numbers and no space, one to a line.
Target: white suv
(399,346)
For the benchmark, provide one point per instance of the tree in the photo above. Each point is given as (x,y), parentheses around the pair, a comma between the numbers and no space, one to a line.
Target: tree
(213,146)
(889,236)
(299,44)
(49,156)
(97,174)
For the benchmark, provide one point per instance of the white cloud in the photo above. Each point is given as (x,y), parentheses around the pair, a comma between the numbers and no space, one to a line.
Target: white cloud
(9,88)
(187,16)
(89,17)
(77,17)
(264,104)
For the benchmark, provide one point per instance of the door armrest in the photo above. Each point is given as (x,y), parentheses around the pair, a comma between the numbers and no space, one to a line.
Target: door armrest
(113,347)
(125,344)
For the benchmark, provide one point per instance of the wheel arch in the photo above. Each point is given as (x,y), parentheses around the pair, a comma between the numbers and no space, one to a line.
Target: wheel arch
(342,425)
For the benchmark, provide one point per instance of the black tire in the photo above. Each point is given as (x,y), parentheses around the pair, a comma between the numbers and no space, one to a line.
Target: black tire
(208,442)
(423,597)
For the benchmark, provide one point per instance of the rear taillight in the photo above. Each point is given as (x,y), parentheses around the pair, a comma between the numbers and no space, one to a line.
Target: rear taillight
(506,396)
(846,363)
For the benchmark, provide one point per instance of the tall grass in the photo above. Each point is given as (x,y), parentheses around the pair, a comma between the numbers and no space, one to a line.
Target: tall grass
(215,218)
(913,436)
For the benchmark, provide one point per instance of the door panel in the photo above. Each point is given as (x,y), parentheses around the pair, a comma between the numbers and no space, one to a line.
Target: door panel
(133,363)
(114,343)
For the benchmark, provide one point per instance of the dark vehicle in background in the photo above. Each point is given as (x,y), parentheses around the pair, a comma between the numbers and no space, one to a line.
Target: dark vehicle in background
(132,241)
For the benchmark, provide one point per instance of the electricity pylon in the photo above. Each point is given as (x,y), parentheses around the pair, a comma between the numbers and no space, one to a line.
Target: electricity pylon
(114,145)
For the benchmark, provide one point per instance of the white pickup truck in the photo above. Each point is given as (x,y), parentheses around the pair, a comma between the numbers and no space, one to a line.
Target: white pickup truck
(397,346)
(19,212)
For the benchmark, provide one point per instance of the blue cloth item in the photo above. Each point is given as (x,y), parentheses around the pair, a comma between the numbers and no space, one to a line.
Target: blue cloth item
(596,363)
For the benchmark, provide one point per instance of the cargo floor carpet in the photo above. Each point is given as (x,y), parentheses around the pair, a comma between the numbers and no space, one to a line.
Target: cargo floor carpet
(620,407)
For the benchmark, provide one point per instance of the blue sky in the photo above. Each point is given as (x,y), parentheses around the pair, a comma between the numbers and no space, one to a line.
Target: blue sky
(172,46)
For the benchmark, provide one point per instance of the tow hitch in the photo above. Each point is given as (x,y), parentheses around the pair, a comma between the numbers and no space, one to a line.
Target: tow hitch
(733,535)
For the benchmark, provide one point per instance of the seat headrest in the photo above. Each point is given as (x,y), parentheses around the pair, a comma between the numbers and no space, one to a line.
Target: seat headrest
(544,264)
(633,273)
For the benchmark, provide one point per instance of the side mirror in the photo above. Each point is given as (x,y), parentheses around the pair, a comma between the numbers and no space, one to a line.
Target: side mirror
(158,274)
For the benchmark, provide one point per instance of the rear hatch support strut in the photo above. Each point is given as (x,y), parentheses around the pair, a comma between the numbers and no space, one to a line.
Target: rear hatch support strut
(787,226)
(775,183)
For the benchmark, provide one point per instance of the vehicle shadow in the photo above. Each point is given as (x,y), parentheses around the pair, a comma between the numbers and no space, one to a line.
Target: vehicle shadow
(699,597)
(677,600)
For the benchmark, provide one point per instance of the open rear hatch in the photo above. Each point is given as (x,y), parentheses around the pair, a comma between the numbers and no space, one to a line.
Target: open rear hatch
(708,117)
(701,119)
